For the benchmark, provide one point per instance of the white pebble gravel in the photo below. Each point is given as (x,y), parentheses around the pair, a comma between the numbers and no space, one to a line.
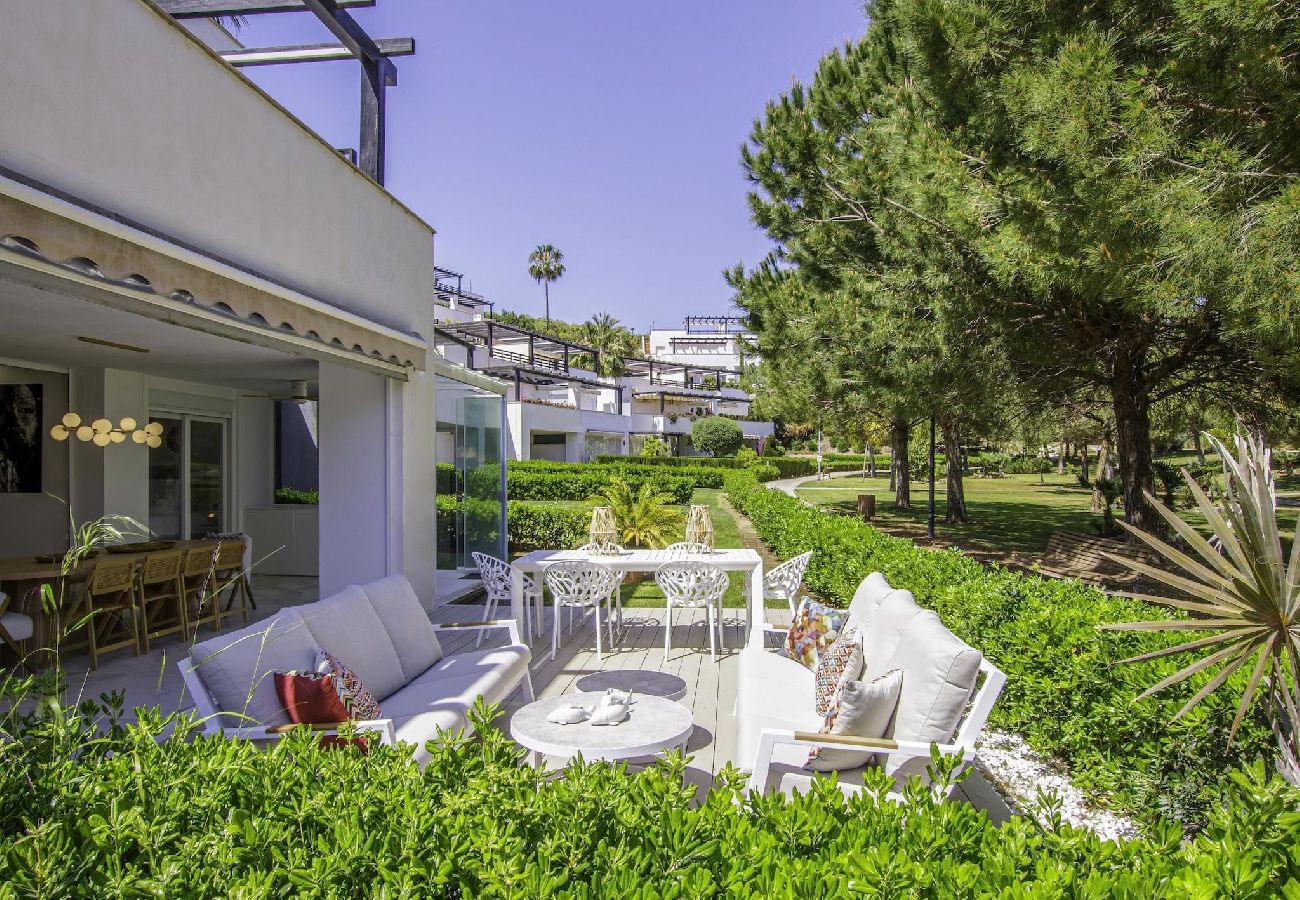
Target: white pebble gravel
(1019,774)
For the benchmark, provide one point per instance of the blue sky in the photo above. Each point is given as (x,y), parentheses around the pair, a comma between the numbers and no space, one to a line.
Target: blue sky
(609,129)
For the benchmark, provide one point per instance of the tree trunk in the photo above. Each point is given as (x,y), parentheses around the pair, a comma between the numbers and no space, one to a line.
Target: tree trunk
(546,287)
(1200,448)
(1061,455)
(901,477)
(1083,466)
(955,508)
(1132,402)
(871,461)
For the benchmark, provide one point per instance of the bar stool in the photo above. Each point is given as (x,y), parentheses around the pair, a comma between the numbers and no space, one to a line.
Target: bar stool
(160,592)
(692,585)
(198,574)
(112,615)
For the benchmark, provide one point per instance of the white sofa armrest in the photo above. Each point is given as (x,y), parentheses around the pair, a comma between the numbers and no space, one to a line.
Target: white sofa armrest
(770,737)
(383,727)
(511,626)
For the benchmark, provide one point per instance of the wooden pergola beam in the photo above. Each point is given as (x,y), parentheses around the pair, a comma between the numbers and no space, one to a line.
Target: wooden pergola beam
(298,53)
(207,9)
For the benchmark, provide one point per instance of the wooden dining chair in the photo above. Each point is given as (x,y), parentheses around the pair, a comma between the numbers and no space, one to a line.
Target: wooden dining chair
(199,579)
(160,593)
(15,629)
(230,573)
(109,605)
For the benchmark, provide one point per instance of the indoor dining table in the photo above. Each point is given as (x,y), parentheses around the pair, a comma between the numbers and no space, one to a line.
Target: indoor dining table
(21,577)
(733,560)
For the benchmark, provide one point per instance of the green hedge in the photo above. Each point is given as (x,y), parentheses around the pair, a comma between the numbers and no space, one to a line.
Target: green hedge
(1066,692)
(529,526)
(448,479)
(581,485)
(534,526)
(296,497)
(127,815)
(764,468)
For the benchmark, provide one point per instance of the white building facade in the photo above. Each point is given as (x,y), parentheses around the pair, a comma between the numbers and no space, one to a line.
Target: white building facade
(175,247)
(559,408)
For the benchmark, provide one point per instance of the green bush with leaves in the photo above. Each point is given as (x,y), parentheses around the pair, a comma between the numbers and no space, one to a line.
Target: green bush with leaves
(91,808)
(537,526)
(1066,692)
(717,436)
(581,485)
(296,497)
(654,447)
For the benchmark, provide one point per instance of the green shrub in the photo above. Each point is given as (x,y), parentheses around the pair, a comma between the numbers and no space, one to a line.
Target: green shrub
(129,814)
(654,447)
(586,482)
(297,497)
(717,436)
(448,479)
(536,526)
(1028,465)
(1065,693)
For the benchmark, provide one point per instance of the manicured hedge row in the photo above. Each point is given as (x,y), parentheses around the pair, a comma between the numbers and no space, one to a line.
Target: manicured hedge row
(529,526)
(584,484)
(534,526)
(764,468)
(127,816)
(447,478)
(1066,692)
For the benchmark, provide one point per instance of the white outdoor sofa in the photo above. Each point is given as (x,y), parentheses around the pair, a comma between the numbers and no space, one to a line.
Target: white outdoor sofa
(382,632)
(948,691)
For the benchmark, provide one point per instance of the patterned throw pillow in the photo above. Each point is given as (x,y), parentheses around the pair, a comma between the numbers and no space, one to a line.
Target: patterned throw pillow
(842,662)
(862,709)
(814,629)
(359,702)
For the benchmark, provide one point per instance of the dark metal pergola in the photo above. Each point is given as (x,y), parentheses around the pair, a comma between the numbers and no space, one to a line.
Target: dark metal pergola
(449,285)
(377,70)
(659,372)
(721,324)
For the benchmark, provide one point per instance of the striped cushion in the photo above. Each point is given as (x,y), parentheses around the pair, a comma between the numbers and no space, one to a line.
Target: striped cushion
(359,702)
(842,662)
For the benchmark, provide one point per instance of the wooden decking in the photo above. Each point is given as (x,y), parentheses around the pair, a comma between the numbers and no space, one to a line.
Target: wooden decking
(710,686)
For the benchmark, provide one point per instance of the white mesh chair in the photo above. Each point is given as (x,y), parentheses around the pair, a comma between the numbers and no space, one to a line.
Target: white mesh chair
(616,595)
(783,582)
(692,585)
(686,547)
(14,627)
(578,585)
(496,575)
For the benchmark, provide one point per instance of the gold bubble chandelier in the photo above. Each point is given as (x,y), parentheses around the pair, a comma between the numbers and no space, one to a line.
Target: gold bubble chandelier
(102,432)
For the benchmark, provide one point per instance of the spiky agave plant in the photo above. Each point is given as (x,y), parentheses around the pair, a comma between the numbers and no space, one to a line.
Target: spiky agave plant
(1245,594)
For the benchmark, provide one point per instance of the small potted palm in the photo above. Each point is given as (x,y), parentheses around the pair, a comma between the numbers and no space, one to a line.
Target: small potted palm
(643,517)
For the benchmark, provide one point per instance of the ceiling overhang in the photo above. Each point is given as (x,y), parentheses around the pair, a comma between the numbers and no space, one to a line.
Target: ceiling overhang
(55,244)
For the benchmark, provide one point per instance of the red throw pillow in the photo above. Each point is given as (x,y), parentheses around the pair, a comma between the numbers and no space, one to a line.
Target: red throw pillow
(310,699)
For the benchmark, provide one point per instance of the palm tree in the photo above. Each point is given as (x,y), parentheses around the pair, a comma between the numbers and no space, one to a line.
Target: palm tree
(546,264)
(604,333)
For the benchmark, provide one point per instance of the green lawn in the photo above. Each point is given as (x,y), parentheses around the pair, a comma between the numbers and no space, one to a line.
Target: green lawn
(1015,513)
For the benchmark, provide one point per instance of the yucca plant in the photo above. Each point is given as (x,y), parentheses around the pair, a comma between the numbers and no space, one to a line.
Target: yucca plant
(644,517)
(1243,592)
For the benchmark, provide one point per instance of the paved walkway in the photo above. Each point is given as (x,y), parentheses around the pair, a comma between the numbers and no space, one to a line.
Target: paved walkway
(789,485)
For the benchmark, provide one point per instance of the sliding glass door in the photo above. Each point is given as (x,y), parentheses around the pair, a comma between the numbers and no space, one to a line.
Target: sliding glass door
(189,476)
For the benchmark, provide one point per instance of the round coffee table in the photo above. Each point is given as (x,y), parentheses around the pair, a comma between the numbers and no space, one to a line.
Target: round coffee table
(654,725)
(638,681)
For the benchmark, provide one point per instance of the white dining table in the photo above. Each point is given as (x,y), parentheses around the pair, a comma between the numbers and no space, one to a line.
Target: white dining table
(735,560)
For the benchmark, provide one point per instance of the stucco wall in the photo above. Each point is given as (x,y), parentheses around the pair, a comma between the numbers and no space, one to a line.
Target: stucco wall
(110,101)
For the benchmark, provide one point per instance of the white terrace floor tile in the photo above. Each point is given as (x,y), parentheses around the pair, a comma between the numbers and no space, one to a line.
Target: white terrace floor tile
(154,680)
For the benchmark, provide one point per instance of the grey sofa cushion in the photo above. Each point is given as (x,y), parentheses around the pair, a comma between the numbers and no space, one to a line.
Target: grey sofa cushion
(347,625)
(867,599)
(881,636)
(407,623)
(940,672)
(865,710)
(237,667)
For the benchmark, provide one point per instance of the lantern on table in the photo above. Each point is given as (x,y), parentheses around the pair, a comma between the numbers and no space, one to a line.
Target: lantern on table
(699,527)
(603,536)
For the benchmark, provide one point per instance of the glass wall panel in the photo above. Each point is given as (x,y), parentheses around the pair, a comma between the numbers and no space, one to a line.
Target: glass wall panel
(468,447)
(207,477)
(166,479)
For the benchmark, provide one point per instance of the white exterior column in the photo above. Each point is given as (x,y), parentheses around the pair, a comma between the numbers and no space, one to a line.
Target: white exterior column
(354,477)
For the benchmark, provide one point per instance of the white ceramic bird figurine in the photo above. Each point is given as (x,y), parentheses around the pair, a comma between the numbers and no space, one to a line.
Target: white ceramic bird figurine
(612,708)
